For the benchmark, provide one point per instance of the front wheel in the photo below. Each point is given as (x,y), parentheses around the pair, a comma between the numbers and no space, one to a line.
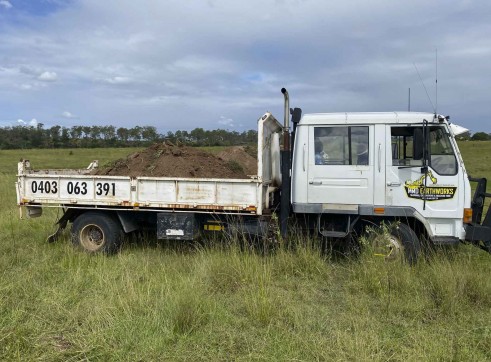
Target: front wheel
(399,243)
(97,232)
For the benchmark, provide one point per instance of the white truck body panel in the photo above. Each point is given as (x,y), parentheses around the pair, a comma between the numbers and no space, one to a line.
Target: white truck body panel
(78,188)
(157,193)
(380,183)
(346,184)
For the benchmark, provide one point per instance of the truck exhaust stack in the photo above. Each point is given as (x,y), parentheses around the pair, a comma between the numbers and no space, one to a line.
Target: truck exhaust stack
(286,125)
(285,169)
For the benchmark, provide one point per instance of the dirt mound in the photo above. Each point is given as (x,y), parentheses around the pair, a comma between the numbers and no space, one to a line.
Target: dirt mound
(238,154)
(168,160)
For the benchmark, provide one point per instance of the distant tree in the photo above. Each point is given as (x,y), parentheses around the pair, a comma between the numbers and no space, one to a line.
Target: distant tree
(480,136)
(135,133)
(149,134)
(76,135)
(181,136)
(29,136)
(38,141)
(123,135)
(86,131)
(169,136)
(107,136)
(65,137)
(198,136)
(55,134)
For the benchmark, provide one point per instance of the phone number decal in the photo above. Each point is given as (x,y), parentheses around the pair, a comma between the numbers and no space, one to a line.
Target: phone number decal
(73,188)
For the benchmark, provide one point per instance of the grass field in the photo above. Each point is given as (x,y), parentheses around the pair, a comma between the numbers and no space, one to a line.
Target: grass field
(189,302)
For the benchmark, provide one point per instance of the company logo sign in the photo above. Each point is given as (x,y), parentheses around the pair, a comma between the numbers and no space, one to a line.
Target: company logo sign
(431,192)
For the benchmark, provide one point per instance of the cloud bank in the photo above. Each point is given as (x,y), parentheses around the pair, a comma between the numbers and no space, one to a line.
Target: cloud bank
(181,65)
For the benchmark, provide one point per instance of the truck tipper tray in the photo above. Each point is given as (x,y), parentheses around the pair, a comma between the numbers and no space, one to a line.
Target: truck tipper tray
(81,189)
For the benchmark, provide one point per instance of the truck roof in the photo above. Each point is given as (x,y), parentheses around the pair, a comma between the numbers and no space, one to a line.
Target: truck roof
(368,118)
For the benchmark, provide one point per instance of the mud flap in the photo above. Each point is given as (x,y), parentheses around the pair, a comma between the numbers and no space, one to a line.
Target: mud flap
(479,232)
(479,235)
(62,223)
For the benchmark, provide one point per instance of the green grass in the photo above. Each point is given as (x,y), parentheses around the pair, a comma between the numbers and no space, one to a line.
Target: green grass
(188,302)
(477,158)
(61,158)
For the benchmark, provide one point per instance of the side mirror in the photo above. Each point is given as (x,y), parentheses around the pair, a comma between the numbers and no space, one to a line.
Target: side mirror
(296,114)
(418,144)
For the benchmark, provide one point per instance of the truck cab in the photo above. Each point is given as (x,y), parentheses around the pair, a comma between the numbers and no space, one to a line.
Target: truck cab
(380,166)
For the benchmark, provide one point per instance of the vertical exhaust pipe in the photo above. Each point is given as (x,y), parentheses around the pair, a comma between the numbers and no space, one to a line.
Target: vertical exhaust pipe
(285,199)
(286,123)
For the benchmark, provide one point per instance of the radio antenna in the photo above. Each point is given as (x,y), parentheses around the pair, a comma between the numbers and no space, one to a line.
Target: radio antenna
(423,84)
(409,101)
(436,80)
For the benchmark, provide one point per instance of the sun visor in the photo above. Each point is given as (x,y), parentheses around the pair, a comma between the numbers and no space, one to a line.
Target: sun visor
(456,129)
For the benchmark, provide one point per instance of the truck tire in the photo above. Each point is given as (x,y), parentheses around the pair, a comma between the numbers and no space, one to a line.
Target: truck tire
(97,232)
(402,243)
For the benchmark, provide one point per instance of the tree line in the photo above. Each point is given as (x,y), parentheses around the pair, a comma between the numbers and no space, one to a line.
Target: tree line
(480,136)
(23,137)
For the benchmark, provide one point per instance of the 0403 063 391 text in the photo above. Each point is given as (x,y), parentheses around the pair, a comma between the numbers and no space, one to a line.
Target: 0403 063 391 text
(73,188)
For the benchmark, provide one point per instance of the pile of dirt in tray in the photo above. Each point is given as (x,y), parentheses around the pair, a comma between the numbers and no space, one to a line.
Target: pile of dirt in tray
(240,155)
(168,160)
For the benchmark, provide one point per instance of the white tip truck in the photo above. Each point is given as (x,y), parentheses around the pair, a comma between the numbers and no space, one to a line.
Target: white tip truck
(334,173)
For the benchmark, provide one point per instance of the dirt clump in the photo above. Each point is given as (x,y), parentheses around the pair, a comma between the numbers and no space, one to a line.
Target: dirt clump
(169,160)
(239,155)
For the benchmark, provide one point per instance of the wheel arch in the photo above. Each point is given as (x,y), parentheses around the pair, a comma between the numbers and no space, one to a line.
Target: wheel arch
(414,223)
(125,218)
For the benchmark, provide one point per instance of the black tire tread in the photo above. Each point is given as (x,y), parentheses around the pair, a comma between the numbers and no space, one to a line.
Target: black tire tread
(410,241)
(107,222)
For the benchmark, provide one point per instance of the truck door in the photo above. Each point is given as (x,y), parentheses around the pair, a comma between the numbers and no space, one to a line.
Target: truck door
(434,194)
(343,164)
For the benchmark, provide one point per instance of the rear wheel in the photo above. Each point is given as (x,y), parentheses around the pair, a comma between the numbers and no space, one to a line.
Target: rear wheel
(399,243)
(97,232)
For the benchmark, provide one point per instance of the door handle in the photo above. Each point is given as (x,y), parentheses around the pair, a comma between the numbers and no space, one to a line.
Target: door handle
(312,182)
(393,184)
(379,157)
(304,156)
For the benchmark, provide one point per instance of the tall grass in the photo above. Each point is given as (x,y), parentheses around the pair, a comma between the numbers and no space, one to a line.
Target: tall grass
(223,301)
(218,303)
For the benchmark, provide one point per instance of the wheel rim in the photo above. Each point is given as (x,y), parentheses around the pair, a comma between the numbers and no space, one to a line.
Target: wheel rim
(92,237)
(389,247)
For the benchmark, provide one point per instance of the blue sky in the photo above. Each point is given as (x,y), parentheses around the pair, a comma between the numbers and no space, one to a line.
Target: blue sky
(36,8)
(221,64)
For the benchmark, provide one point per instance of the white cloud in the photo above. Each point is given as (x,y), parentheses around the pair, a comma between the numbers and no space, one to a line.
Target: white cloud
(34,86)
(33,122)
(68,115)
(117,80)
(48,77)
(224,121)
(25,86)
(6,4)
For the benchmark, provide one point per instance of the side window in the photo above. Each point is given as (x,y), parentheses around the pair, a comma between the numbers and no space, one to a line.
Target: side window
(341,145)
(407,149)
(403,142)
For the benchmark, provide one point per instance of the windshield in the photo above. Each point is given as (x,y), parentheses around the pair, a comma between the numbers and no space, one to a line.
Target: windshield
(442,157)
